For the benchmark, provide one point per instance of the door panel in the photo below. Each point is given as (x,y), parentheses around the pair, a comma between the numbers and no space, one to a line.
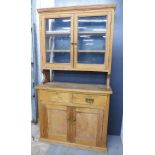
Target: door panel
(57,39)
(91,40)
(43,120)
(86,126)
(56,125)
(73,124)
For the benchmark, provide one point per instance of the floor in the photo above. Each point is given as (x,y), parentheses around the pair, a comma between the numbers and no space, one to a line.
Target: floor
(39,148)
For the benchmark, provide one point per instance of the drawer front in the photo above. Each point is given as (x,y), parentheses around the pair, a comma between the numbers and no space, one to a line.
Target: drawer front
(89,99)
(53,96)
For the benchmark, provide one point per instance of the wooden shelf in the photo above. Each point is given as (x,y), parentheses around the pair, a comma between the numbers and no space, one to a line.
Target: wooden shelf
(57,50)
(81,51)
(92,32)
(67,32)
(57,32)
(95,51)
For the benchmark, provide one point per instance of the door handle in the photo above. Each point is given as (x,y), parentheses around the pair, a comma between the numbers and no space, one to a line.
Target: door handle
(89,100)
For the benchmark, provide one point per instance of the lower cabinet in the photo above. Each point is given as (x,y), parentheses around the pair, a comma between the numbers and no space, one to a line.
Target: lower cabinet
(87,126)
(74,116)
(80,125)
(54,122)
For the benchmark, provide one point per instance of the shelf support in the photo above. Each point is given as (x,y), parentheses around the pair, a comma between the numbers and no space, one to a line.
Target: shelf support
(108,80)
(51,75)
(46,76)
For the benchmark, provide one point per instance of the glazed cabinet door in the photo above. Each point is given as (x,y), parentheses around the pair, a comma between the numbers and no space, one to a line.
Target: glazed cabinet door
(91,40)
(56,41)
(54,122)
(88,126)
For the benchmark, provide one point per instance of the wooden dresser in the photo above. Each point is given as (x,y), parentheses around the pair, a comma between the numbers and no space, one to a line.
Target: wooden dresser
(75,39)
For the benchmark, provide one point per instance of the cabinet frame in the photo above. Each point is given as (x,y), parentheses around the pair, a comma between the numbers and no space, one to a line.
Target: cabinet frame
(71,114)
(71,108)
(55,107)
(73,65)
(94,67)
(46,65)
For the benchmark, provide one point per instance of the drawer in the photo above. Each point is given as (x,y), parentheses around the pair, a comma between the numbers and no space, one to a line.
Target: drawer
(89,99)
(60,97)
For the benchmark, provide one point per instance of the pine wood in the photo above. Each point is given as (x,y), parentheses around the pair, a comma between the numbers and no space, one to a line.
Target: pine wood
(74,13)
(75,87)
(57,50)
(92,32)
(46,74)
(96,67)
(89,99)
(68,115)
(58,32)
(57,122)
(111,41)
(46,65)
(100,51)
(85,124)
(108,80)
(75,114)
(74,145)
(78,8)
(53,96)
(96,51)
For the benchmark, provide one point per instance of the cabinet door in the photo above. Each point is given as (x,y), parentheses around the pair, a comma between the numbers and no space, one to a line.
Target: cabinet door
(91,38)
(88,126)
(54,122)
(56,41)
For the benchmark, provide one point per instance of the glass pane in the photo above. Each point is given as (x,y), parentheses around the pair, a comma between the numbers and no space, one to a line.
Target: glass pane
(58,24)
(58,40)
(91,58)
(91,42)
(91,39)
(57,57)
(94,23)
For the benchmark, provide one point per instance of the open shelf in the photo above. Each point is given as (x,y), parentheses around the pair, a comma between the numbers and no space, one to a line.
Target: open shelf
(57,50)
(92,32)
(95,51)
(57,32)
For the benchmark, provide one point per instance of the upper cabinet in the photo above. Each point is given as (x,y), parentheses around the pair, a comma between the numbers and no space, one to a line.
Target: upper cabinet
(77,38)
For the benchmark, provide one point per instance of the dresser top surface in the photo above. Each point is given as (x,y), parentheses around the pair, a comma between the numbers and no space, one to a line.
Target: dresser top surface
(98,88)
(76,8)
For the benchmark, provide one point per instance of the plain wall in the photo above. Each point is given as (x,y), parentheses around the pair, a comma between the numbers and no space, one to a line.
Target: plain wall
(116,103)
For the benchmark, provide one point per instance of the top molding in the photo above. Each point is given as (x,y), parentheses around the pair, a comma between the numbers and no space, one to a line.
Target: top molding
(76,8)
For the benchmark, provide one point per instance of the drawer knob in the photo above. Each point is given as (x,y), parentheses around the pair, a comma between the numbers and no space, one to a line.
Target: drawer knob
(89,100)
